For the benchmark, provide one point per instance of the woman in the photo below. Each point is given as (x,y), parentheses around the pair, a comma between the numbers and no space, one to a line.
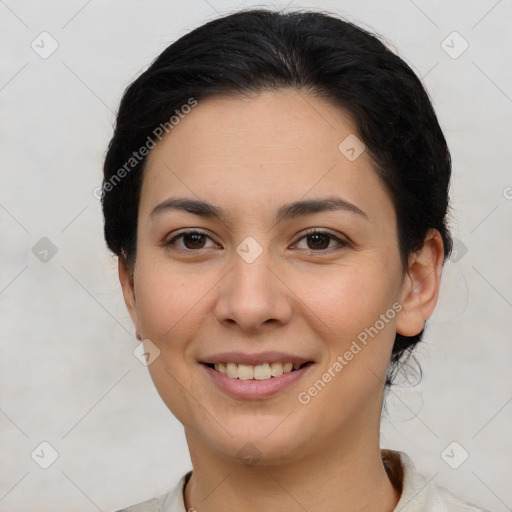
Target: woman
(276,191)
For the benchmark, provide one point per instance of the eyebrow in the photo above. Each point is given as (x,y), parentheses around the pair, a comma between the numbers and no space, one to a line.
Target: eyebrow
(286,212)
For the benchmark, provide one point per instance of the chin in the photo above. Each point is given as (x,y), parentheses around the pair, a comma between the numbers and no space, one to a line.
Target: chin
(254,441)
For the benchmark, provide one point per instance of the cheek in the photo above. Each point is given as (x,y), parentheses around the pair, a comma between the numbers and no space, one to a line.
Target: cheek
(167,300)
(349,299)
(168,304)
(355,310)
(357,322)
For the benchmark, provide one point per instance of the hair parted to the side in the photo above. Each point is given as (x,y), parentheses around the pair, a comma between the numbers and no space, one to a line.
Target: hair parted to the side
(256,50)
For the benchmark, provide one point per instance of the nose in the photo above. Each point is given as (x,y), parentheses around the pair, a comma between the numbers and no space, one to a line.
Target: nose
(253,297)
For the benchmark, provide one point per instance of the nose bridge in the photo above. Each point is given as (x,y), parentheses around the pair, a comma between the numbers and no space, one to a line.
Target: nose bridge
(251,294)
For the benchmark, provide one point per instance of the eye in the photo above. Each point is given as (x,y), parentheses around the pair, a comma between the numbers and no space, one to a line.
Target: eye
(316,240)
(321,239)
(192,240)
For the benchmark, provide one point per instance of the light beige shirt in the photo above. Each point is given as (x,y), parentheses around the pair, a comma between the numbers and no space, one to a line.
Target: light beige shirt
(419,493)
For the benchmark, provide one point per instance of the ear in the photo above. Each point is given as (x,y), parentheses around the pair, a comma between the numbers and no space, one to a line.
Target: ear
(127,284)
(421,285)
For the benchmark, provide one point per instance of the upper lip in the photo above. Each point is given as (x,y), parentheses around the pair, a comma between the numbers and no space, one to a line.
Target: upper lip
(255,359)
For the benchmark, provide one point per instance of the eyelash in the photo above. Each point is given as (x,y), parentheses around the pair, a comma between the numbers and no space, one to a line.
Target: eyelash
(313,231)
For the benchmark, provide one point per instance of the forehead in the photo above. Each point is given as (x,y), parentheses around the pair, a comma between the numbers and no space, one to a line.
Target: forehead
(279,121)
(273,145)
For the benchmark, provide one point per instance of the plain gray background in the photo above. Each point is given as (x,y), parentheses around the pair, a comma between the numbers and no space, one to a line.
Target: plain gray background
(68,375)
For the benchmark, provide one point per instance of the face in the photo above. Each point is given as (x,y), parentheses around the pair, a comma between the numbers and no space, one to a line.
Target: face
(255,278)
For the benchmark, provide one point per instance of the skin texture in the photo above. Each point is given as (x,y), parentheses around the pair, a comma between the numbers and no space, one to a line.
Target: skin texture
(249,156)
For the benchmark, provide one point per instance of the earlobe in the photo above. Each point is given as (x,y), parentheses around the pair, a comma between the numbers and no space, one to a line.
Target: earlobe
(420,289)
(127,284)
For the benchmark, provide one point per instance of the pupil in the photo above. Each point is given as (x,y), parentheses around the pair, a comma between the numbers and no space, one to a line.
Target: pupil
(317,237)
(195,238)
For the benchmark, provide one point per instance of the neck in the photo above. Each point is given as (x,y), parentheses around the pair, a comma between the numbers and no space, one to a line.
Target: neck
(335,472)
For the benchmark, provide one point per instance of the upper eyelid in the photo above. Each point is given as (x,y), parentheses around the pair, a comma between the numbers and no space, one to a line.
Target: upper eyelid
(343,240)
(321,231)
(187,231)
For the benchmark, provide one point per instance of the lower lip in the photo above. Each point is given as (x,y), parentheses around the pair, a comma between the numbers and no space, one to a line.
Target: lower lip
(256,388)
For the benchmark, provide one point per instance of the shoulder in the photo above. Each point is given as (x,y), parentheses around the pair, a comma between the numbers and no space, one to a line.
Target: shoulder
(419,492)
(169,502)
(146,506)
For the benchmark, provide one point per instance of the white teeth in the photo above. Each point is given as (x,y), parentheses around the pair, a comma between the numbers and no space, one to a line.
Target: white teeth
(232,370)
(263,371)
(287,367)
(245,372)
(276,369)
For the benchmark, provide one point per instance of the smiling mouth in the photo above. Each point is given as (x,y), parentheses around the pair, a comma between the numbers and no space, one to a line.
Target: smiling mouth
(263,371)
